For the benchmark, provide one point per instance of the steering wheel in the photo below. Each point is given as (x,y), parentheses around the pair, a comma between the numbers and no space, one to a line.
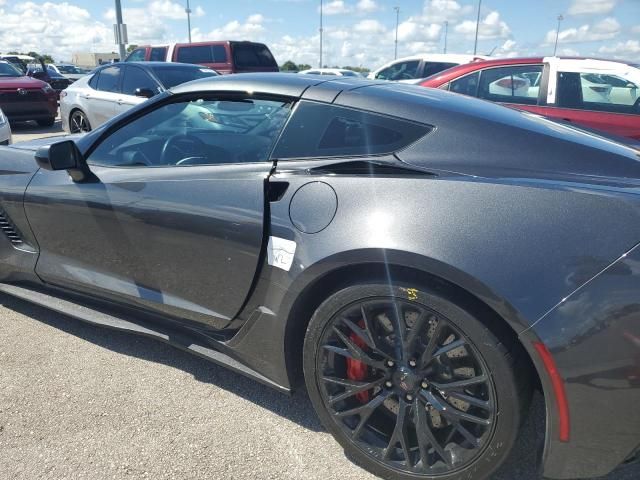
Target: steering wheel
(179,145)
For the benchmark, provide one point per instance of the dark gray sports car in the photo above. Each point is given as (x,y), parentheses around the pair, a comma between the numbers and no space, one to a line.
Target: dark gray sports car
(422,261)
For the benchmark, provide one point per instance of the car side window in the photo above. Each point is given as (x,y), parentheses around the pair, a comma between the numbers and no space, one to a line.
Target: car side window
(597,92)
(323,130)
(467,85)
(109,79)
(431,68)
(196,132)
(137,55)
(158,54)
(400,71)
(517,84)
(135,78)
(195,54)
(93,81)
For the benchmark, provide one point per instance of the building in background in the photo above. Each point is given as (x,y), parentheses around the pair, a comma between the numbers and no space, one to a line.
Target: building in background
(92,60)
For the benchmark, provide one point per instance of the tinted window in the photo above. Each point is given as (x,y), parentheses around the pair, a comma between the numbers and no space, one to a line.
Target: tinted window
(219,53)
(8,70)
(199,132)
(137,55)
(431,68)
(467,85)
(109,79)
(347,73)
(400,71)
(196,54)
(319,130)
(170,76)
(599,92)
(158,54)
(134,78)
(513,84)
(93,81)
(251,55)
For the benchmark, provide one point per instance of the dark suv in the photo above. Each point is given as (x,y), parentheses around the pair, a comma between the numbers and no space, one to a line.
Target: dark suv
(224,56)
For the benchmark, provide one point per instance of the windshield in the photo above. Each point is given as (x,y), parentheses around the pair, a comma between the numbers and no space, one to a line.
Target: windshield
(172,76)
(8,70)
(69,69)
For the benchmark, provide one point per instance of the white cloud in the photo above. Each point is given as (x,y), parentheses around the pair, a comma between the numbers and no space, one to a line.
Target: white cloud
(369,26)
(591,7)
(367,6)
(413,30)
(490,27)
(629,49)
(636,29)
(437,11)
(603,30)
(171,10)
(251,29)
(335,7)
(255,18)
(568,52)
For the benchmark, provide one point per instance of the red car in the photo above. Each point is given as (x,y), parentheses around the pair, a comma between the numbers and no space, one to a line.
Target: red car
(597,94)
(25,98)
(222,56)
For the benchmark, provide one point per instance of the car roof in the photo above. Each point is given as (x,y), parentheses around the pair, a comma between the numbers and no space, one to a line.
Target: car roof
(155,65)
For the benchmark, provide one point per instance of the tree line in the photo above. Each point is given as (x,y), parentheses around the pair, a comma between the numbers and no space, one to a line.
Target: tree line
(290,66)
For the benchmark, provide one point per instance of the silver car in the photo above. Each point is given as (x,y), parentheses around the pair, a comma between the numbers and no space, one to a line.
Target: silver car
(5,130)
(113,89)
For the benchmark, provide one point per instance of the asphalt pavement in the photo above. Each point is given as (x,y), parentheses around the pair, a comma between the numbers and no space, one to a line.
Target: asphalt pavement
(83,402)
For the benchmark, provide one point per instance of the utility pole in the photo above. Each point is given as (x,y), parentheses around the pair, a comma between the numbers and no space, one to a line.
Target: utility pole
(555,48)
(446,32)
(475,45)
(120,31)
(397,9)
(188,12)
(320,63)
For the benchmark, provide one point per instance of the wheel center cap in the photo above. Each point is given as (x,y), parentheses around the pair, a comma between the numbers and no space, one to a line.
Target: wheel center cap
(405,380)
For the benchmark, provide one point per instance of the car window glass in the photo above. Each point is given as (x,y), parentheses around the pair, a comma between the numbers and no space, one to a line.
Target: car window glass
(467,85)
(171,75)
(511,84)
(599,92)
(195,54)
(93,81)
(135,78)
(339,131)
(109,79)
(198,132)
(158,54)
(431,68)
(219,53)
(137,55)
(400,71)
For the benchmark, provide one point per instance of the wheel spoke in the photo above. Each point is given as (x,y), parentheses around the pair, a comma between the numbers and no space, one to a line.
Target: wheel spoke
(415,330)
(449,347)
(459,385)
(476,402)
(356,387)
(427,355)
(368,407)
(399,435)
(353,351)
(426,438)
(450,412)
(366,334)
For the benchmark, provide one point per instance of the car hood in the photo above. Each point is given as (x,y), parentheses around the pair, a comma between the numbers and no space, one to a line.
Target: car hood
(41,142)
(9,83)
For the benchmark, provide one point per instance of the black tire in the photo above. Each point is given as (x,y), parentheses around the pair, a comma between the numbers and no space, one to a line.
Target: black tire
(78,122)
(47,122)
(511,389)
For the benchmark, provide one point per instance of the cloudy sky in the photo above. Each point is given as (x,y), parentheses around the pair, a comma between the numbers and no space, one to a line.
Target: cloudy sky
(357,32)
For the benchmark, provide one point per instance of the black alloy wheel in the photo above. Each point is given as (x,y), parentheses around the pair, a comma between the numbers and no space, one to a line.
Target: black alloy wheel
(79,123)
(401,385)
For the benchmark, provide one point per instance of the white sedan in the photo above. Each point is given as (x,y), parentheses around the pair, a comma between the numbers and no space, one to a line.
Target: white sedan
(5,130)
(340,72)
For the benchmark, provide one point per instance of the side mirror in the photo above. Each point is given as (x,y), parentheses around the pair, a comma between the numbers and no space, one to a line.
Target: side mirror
(39,75)
(144,92)
(65,155)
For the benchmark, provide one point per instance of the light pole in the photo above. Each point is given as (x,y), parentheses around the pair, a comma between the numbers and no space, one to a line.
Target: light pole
(188,12)
(397,9)
(446,32)
(320,63)
(555,48)
(120,31)
(475,44)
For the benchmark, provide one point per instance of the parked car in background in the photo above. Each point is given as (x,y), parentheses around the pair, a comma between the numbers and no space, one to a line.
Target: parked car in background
(115,88)
(223,56)
(340,72)
(69,71)
(25,98)
(420,66)
(5,129)
(597,94)
(421,261)
(52,77)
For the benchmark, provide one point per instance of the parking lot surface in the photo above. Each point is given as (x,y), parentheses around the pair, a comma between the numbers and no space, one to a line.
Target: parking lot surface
(83,402)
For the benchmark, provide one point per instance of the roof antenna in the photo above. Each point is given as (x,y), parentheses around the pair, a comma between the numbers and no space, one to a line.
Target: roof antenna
(492,50)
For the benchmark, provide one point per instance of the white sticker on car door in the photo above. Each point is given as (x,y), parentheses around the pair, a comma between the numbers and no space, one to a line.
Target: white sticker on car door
(280,252)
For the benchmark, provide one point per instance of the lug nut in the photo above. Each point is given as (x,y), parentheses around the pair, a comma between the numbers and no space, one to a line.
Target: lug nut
(388,384)
(390,363)
(412,363)
(409,397)
(424,384)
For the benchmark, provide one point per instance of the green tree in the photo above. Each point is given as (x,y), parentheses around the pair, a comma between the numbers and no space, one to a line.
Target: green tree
(304,66)
(131,48)
(289,66)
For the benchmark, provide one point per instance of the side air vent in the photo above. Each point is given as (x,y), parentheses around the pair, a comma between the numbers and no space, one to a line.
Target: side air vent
(9,230)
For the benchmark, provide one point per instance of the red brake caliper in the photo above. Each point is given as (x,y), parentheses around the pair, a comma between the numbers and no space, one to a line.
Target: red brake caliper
(357,370)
